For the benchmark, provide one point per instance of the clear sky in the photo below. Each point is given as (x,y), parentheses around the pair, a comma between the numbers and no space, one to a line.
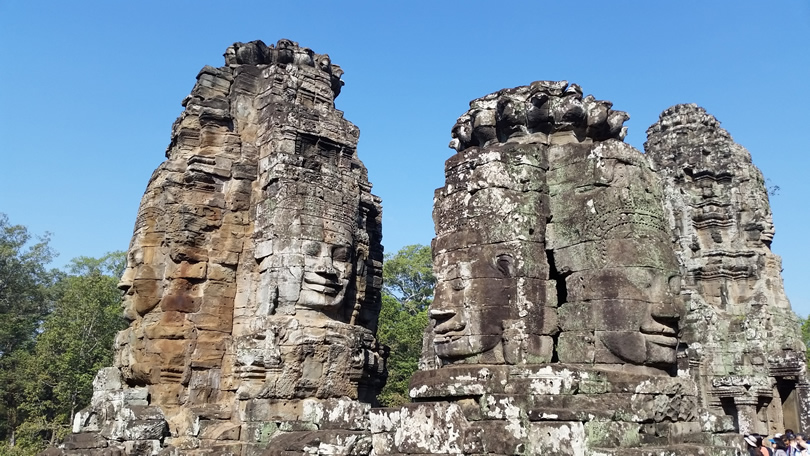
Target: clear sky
(89,90)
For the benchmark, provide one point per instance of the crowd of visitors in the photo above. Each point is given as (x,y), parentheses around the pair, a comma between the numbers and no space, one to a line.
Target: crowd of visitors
(787,444)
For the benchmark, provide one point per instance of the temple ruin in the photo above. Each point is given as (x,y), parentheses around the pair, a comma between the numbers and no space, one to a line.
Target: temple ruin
(591,299)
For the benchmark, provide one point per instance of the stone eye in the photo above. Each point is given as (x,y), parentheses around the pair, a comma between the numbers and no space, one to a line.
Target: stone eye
(457,284)
(341,253)
(312,249)
(505,265)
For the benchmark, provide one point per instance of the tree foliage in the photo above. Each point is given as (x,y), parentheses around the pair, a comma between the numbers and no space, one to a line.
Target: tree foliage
(408,284)
(76,341)
(806,334)
(408,277)
(56,330)
(24,285)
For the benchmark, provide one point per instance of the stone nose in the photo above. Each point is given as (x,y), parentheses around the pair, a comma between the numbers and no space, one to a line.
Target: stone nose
(439,314)
(446,320)
(125,284)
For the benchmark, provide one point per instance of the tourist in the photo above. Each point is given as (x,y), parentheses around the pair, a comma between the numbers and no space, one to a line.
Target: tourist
(779,445)
(802,445)
(756,447)
(794,449)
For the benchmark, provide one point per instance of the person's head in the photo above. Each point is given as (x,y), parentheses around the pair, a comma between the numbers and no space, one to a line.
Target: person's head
(779,442)
(801,440)
(753,440)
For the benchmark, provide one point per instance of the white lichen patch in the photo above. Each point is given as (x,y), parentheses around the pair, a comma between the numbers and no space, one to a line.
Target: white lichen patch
(597,155)
(417,392)
(313,411)
(430,428)
(384,421)
(512,414)
(558,438)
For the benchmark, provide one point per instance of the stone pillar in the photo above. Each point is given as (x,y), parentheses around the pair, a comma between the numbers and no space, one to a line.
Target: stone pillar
(747,413)
(803,395)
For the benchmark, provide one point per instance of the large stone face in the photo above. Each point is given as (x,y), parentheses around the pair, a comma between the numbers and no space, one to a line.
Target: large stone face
(595,300)
(551,241)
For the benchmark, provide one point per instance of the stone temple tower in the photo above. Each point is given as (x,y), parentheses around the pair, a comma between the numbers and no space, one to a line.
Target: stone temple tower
(740,338)
(254,272)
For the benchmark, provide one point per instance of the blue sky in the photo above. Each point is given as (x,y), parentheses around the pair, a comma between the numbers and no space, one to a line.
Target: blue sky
(89,90)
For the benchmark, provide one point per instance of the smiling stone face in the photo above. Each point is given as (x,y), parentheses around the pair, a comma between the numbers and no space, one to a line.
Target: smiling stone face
(470,307)
(613,250)
(327,269)
(314,274)
(490,304)
(551,239)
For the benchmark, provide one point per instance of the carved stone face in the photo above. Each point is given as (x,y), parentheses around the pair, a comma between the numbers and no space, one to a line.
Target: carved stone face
(468,311)
(312,263)
(612,242)
(326,273)
(480,291)
(635,314)
(141,284)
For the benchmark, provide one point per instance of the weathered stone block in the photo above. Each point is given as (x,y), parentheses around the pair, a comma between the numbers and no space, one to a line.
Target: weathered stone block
(85,440)
(336,413)
(258,431)
(611,434)
(433,427)
(576,347)
(558,438)
(511,438)
(270,410)
(145,429)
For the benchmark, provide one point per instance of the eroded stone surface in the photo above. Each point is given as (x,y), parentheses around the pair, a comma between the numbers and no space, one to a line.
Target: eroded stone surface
(551,239)
(587,294)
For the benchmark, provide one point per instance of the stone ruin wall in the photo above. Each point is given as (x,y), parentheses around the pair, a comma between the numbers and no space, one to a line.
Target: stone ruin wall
(591,299)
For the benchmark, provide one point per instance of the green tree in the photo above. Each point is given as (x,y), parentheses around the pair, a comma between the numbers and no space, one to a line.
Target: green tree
(408,284)
(806,334)
(408,277)
(25,284)
(75,342)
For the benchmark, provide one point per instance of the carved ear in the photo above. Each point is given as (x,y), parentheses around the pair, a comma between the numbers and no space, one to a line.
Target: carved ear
(362,256)
(505,264)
